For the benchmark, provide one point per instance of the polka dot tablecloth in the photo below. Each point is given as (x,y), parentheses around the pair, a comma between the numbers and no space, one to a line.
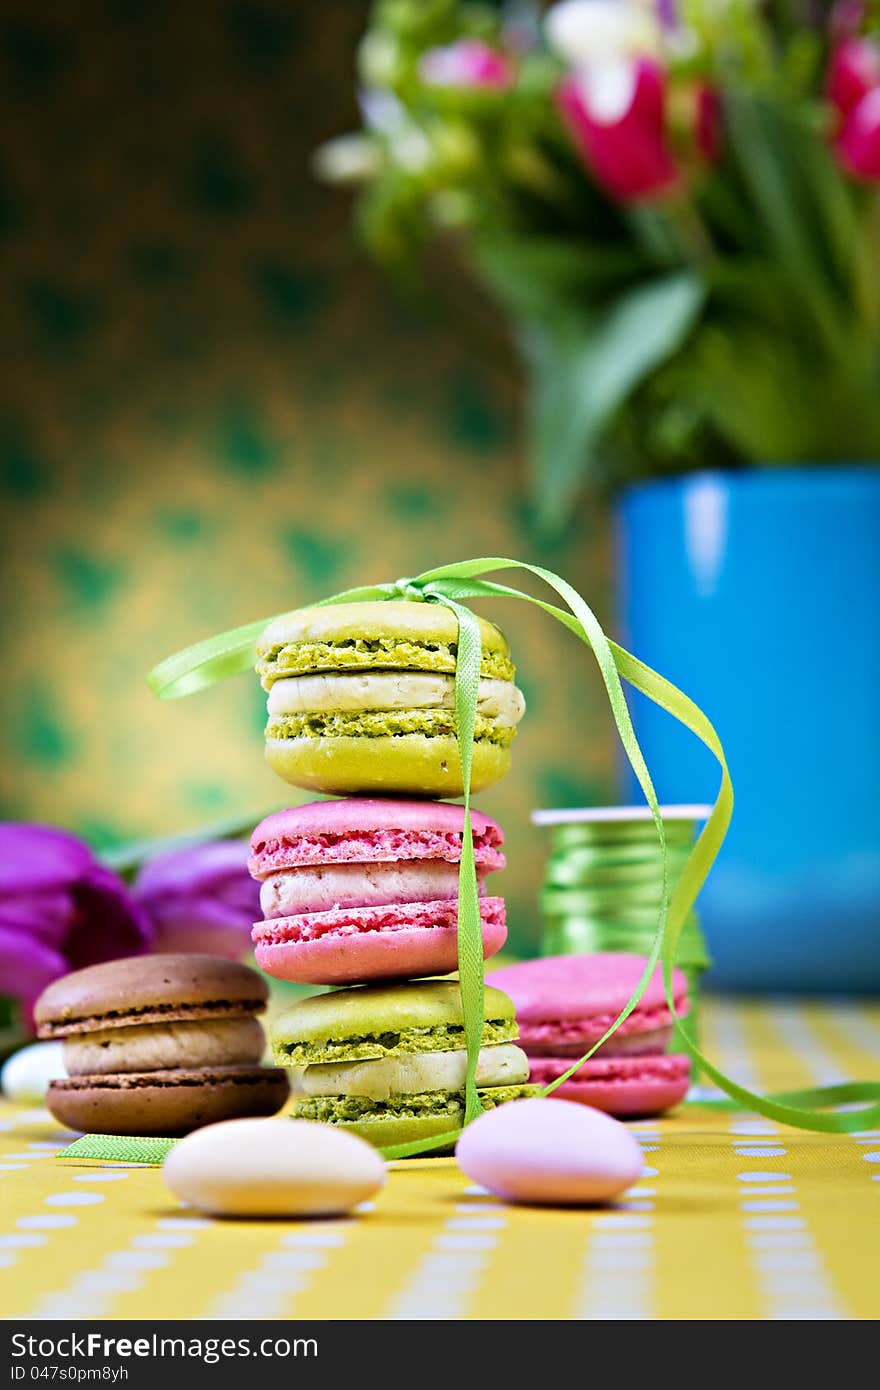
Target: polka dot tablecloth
(734,1218)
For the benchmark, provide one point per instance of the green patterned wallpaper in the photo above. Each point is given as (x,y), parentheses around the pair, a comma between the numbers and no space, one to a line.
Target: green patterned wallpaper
(214,407)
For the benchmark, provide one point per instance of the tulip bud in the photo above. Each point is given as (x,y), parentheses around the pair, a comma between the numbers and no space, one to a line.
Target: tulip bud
(858,142)
(854,71)
(615,115)
(853,89)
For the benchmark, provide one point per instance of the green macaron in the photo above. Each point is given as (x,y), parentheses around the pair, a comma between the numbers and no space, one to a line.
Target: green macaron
(362,699)
(388,1061)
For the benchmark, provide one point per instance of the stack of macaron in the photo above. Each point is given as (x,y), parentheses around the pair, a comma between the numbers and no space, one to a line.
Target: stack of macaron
(363,891)
(565,1004)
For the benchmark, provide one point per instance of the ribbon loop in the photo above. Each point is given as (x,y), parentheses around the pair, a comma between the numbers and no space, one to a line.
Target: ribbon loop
(408,589)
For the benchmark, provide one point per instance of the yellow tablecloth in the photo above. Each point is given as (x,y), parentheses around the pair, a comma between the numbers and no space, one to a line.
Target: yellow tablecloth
(735,1218)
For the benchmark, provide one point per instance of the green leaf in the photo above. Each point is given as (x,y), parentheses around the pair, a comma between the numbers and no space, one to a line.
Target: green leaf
(758,390)
(583,371)
(126,859)
(536,276)
(789,192)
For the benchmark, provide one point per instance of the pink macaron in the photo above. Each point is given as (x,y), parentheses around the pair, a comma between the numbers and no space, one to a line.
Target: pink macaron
(563,1006)
(360,889)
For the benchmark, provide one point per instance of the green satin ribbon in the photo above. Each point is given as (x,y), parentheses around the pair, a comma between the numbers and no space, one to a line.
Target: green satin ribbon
(120,1148)
(452,585)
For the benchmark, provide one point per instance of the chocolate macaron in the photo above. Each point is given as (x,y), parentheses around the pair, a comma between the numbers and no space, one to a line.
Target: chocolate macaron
(159,1045)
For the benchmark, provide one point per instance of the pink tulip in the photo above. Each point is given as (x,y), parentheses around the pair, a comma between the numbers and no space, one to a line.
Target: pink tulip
(620,134)
(853,72)
(466,63)
(853,88)
(858,140)
(618,116)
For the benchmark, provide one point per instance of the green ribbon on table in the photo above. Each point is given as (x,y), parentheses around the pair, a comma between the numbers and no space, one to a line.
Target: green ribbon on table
(120,1148)
(232,653)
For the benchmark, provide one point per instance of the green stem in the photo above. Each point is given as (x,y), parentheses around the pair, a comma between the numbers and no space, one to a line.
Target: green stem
(13,1034)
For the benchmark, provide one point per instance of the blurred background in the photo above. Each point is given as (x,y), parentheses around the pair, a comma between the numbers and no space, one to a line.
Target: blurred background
(214,407)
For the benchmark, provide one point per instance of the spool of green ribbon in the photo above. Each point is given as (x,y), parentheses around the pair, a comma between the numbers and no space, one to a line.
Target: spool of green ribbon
(453,586)
(603,884)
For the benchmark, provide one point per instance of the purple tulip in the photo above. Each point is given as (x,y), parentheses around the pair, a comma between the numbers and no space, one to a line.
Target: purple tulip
(59,910)
(201,898)
(466,63)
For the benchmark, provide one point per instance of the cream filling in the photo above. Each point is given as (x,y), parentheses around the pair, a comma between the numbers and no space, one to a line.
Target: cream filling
(500,701)
(165,1046)
(323,887)
(504,1064)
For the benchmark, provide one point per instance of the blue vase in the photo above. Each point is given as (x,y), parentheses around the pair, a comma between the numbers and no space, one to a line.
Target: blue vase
(758,593)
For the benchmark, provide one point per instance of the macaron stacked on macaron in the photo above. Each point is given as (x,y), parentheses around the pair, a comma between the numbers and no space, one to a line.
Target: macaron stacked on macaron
(159,1045)
(362,889)
(362,700)
(388,1062)
(564,1004)
(365,888)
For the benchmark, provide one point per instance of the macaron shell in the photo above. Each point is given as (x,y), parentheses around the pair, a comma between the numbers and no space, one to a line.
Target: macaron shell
(363,829)
(146,989)
(621,1086)
(350,623)
(408,763)
(402,952)
(387,1130)
(376,1010)
(645,1030)
(166,1104)
(589,991)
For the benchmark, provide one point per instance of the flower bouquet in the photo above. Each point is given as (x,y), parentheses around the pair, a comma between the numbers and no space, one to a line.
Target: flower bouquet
(677,204)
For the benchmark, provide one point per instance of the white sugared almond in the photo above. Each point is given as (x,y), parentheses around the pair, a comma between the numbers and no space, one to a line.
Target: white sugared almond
(27,1073)
(273,1168)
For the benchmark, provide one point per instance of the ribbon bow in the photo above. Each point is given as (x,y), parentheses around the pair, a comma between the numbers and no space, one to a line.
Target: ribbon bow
(233,652)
